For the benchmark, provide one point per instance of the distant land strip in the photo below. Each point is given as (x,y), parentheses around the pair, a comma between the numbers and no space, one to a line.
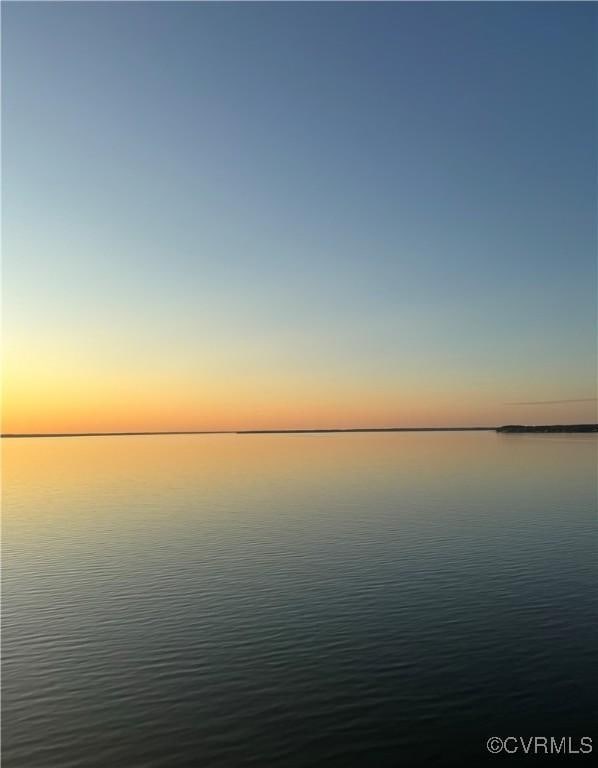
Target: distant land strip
(509,428)
(518,428)
(248,431)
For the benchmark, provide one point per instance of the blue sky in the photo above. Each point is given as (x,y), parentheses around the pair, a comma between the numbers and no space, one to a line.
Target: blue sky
(390,206)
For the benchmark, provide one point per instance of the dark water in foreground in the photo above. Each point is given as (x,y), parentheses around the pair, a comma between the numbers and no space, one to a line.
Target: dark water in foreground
(288,600)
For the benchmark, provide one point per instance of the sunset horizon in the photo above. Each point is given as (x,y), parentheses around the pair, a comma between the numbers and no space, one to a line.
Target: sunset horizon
(299,392)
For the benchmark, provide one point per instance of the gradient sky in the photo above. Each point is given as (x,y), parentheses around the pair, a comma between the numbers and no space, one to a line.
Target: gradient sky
(301,215)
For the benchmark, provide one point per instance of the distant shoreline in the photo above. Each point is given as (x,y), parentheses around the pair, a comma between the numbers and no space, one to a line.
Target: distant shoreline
(522,429)
(509,429)
(249,432)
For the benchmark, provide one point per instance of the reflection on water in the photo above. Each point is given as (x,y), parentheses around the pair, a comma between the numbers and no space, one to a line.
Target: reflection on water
(289,600)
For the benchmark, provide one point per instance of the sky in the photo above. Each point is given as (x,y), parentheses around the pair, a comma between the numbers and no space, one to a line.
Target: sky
(259,215)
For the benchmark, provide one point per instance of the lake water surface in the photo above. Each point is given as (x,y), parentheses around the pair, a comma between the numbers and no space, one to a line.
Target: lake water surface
(296,600)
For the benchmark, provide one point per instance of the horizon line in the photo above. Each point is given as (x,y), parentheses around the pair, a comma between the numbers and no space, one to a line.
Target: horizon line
(242,431)
(291,431)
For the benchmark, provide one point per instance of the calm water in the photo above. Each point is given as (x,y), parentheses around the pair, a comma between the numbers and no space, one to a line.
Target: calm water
(286,600)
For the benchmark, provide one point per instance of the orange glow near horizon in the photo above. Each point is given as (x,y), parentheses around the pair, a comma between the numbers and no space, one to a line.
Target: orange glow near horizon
(95,392)
(111,405)
(121,404)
